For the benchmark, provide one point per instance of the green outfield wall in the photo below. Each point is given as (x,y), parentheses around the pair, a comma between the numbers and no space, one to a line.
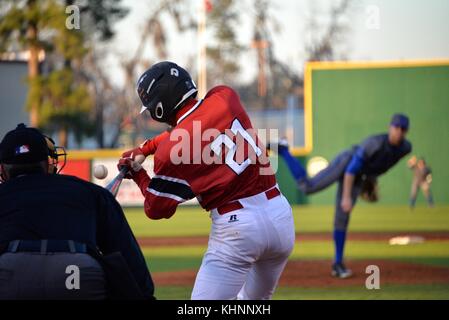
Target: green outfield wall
(350,101)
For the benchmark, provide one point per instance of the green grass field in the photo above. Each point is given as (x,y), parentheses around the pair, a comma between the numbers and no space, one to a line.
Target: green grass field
(193,221)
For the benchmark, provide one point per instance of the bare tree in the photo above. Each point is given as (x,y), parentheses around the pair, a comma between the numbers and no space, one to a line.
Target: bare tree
(224,52)
(324,40)
(275,79)
(154,33)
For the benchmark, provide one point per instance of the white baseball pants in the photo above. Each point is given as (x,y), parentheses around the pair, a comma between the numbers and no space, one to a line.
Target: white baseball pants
(248,250)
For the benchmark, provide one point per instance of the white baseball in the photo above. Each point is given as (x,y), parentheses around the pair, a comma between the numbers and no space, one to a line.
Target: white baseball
(100,171)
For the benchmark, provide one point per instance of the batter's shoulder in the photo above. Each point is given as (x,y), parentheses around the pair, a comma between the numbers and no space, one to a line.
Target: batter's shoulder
(222,91)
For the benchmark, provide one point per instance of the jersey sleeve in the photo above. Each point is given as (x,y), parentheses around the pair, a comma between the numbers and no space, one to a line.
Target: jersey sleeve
(370,146)
(165,191)
(224,93)
(362,153)
(356,163)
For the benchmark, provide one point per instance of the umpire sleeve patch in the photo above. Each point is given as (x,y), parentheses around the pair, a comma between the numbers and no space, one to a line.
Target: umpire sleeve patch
(170,188)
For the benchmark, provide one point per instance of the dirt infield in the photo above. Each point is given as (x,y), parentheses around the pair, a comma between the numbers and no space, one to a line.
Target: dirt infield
(317,274)
(320,236)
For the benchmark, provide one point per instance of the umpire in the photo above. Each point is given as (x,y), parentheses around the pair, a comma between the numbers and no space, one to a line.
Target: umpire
(61,237)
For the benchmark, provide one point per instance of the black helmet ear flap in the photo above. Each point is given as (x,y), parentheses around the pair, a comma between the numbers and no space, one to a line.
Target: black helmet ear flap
(158,109)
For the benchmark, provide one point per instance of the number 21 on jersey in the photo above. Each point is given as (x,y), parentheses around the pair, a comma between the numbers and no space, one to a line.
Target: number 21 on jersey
(224,139)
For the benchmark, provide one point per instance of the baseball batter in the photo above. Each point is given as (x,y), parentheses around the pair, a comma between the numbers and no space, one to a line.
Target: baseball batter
(356,171)
(212,154)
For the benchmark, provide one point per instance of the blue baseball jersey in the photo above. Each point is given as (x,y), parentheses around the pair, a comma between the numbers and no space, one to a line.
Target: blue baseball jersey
(375,155)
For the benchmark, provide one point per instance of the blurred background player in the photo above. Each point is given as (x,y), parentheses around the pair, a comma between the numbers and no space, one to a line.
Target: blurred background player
(356,171)
(50,221)
(422,179)
(252,232)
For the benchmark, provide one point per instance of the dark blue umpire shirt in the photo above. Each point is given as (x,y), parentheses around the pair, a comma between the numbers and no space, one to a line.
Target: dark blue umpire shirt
(51,206)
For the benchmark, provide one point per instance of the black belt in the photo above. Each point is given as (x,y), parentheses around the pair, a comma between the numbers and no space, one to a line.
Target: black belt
(46,246)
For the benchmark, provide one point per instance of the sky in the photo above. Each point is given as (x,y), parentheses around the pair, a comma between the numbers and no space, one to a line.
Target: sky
(378,30)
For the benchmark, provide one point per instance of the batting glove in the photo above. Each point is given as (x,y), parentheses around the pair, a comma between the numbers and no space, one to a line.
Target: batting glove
(133,166)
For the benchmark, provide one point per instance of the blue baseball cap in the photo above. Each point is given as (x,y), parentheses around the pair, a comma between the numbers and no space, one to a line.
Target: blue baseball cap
(400,120)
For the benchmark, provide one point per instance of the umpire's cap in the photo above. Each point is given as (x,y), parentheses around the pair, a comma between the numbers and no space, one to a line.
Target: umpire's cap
(23,146)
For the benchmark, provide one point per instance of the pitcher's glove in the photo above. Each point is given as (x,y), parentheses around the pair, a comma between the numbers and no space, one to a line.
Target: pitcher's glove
(369,191)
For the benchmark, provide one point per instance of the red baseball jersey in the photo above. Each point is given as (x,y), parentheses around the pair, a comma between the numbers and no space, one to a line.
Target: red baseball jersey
(212,154)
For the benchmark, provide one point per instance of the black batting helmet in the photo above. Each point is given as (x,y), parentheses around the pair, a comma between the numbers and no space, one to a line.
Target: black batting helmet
(163,89)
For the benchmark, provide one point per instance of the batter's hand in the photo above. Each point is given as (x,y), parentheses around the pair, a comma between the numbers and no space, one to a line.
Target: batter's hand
(346,205)
(133,166)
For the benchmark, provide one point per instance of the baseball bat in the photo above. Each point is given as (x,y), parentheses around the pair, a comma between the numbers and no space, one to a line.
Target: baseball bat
(115,183)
